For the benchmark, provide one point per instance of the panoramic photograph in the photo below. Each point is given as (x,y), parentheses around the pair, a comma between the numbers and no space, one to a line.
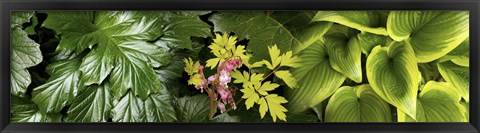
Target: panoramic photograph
(239,66)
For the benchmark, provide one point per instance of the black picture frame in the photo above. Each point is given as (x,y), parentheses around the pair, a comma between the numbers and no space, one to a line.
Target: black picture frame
(10,5)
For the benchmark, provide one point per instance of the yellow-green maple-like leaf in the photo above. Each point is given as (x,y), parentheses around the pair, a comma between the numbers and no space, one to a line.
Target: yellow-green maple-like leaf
(275,106)
(251,96)
(289,60)
(239,78)
(263,107)
(191,67)
(212,63)
(256,64)
(274,56)
(195,79)
(223,47)
(267,86)
(287,77)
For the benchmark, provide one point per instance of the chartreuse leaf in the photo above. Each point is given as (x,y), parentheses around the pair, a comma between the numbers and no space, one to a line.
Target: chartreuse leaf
(129,109)
(190,66)
(264,30)
(437,102)
(368,21)
(317,80)
(158,108)
(267,86)
(192,109)
(251,96)
(24,110)
(121,51)
(357,104)
(456,75)
(344,55)
(368,41)
(92,105)
(25,53)
(393,74)
(460,55)
(287,77)
(432,34)
(277,61)
(275,107)
(256,92)
(61,88)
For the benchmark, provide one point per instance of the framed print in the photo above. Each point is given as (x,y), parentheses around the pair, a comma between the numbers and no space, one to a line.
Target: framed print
(240,66)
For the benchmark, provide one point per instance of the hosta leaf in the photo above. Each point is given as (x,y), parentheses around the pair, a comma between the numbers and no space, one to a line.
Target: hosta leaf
(129,109)
(317,80)
(92,105)
(178,27)
(192,109)
(393,74)
(368,21)
(25,53)
(158,108)
(437,102)
(460,55)
(368,41)
(263,30)
(456,75)
(432,34)
(122,51)
(24,110)
(344,56)
(357,104)
(61,88)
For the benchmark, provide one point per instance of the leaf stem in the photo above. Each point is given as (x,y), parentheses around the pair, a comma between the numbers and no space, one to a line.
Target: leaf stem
(273,71)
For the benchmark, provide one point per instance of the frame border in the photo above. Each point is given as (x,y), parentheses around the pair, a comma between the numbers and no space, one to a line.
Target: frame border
(8,5)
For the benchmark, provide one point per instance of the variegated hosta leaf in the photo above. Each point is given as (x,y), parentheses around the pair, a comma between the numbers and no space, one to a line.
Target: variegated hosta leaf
(460,55)
(437,102)
(368,41)
(344,56)
(263,30)
(432,34)
(393,74)
(317,80)
(458,76)
(367,21)
(25,53)
(357,104)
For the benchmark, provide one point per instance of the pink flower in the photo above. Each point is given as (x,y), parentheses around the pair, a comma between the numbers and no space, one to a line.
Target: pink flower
(232,103)
(224,95)
(211,79)
(224,78)
(221,106)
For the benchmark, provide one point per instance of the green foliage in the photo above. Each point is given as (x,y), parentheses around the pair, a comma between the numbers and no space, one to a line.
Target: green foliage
(357,104)
(285,66)
(25,53)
